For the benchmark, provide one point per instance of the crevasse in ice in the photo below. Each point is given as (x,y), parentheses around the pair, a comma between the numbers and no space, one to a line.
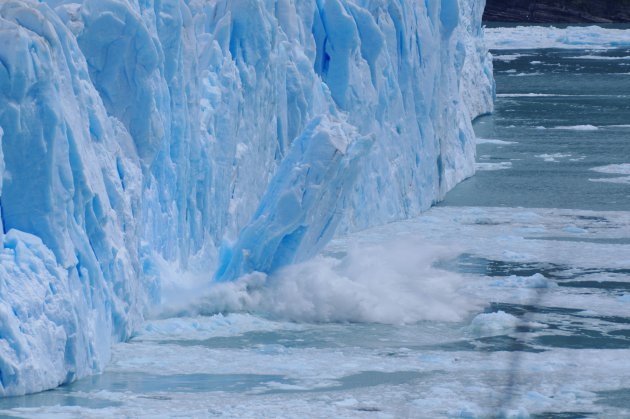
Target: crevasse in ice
(143,138)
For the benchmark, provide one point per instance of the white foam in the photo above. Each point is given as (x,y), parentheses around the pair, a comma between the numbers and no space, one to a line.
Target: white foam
(391,282)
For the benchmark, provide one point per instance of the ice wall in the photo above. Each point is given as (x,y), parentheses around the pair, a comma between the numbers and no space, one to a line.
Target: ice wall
(477,75)
(142,139)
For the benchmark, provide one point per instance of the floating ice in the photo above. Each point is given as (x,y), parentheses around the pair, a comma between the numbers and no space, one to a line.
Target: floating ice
(528,95)
(493,141)
(525,74)
(491,324)
(625,298)
(243,365)
(554,157)
(508,57)
(482,167)
(574,229)
(534,281)
(614,169)
(587,127)
(572,37)
(622,180)
(598,57)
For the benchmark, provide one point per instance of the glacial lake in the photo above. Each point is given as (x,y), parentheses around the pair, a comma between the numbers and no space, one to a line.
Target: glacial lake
(518,286)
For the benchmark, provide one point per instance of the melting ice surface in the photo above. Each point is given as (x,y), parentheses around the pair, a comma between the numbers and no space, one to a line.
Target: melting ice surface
(530,316)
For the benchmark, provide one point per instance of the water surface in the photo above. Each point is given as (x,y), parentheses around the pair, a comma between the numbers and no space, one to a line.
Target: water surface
(541,243)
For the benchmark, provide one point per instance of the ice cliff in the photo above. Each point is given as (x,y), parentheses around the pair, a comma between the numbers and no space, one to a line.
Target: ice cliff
(145,139)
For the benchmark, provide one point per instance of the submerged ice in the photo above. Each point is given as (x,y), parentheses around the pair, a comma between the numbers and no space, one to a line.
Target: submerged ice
(141,141)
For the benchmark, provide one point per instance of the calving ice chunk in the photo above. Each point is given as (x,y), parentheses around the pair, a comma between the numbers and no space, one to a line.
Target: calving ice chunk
(139,138)
(303,205)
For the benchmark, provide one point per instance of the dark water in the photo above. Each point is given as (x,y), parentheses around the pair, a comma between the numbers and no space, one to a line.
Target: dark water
(583,91)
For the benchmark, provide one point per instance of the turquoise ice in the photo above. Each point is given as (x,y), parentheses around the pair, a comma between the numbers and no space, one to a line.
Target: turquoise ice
(141,137)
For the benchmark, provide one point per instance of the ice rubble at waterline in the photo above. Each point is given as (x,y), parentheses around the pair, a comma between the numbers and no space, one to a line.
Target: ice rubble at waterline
(144,140)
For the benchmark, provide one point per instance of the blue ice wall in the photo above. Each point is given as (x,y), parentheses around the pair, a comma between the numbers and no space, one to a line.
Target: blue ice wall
(140,140)
(300,211)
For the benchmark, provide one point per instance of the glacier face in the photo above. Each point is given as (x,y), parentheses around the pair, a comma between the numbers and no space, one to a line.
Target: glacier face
(141,139)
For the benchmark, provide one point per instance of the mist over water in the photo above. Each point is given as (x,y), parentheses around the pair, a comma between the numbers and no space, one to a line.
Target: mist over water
(393,282)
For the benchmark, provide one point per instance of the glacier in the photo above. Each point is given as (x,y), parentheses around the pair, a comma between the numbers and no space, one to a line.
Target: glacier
(141,140)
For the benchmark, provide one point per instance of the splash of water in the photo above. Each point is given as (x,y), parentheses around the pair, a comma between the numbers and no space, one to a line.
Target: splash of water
(394,282)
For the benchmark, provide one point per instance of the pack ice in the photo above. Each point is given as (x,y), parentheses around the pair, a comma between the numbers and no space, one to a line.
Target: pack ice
(141,141)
